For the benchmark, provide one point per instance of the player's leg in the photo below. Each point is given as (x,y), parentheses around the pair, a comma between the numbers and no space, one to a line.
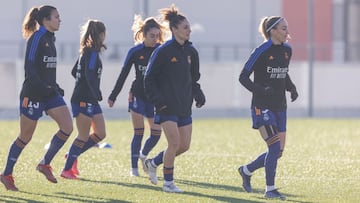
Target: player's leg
(151,141)
(58,111)
(185,130)
(138,124)
(27,128)
(83,123)
(56,108)
(172,135)
(98,126)
(270,135)
(82,113)
(281,119)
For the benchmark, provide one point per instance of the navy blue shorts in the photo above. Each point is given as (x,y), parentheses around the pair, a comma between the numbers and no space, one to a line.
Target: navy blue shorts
(262,117)
(181,121)
(142,107)
(34,110)
(87,109)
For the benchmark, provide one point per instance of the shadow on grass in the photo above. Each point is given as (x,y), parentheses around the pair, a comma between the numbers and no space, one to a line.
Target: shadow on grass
(196,194)
(259,192)
(69,197)
(11,199)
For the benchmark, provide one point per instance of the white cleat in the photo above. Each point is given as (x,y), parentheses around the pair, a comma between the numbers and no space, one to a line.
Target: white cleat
(171,188)
(151,171)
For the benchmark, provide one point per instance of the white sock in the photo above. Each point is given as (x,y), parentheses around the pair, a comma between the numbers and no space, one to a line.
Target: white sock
(168,182)
(142,156)
(246,171)
(270,188)
(153,164)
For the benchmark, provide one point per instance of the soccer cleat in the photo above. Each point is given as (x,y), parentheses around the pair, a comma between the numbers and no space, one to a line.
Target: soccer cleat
(8,182)
(143,159)
(246,179)
(274,194)
(47,171)
(69,174)
(74,167)
(151,171)
(171,188)
(134,172)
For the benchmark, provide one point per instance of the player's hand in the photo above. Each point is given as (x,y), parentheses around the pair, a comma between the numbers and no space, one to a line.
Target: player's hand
(199,99)
(111,103)
(294,94)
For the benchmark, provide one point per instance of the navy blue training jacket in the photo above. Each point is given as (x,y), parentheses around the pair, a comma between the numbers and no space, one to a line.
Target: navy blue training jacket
(87,75)
(139,57)
(171,78)
(270,65)
(40,67)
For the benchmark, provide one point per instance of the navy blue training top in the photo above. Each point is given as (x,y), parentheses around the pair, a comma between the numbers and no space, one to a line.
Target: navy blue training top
(270,65)
(171,77)
(87,74)
(40,67)
(138,56)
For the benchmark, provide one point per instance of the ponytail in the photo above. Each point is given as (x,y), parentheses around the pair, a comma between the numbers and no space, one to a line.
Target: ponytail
(30,24)
(90,35)
(34,18)
(172,15)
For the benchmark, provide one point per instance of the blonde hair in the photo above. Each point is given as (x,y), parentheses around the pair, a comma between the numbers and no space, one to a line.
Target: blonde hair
(140,28)
(267,24)
(90,35)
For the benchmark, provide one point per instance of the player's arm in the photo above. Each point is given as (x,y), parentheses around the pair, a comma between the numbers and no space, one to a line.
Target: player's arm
(198,94)
(254,61)
(122,77)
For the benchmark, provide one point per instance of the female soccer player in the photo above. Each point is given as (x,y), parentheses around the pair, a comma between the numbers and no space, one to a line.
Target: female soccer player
(148,35)
(171,84)
(270,64)
(40,92)
(87,94)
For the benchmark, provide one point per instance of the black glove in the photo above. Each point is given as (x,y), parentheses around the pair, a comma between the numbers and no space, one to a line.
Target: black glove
(199,99)
(294,94)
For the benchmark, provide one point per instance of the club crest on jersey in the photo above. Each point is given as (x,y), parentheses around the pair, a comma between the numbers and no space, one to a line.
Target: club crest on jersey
(141,57)
(173,59)
(189,59)
(286,56)
(271,58)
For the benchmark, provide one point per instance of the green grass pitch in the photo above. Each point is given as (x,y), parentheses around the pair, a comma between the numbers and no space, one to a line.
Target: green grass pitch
(321,163)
